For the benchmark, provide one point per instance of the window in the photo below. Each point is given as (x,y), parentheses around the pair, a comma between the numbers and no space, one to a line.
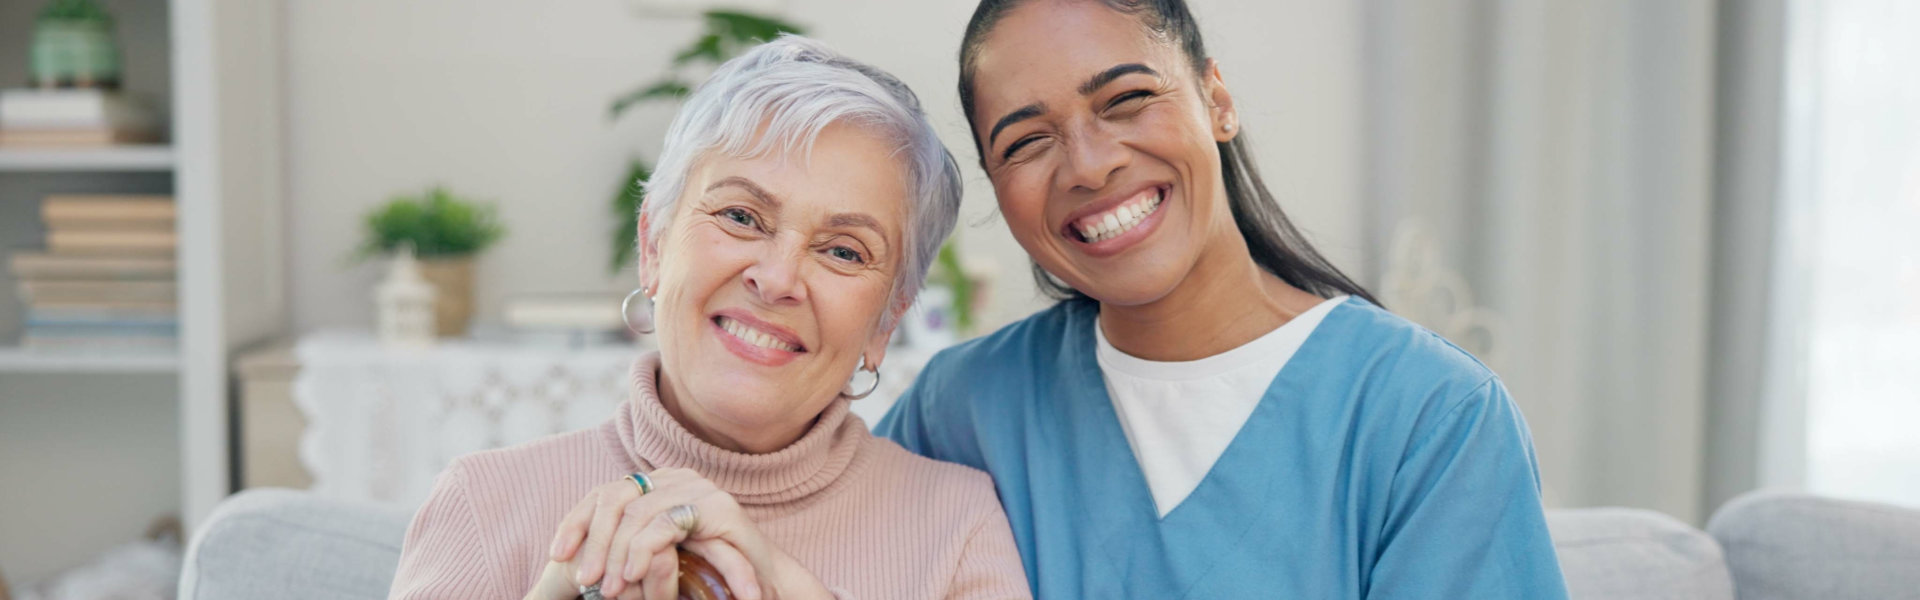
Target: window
(1854,149)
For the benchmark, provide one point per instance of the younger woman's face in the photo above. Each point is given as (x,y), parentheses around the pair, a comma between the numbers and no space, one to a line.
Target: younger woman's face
(1099,139)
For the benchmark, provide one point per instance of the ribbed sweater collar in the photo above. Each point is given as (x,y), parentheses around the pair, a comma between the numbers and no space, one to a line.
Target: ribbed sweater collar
(655,440)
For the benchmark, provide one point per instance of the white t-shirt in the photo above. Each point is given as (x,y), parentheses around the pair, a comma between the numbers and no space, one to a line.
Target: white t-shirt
(1179,416)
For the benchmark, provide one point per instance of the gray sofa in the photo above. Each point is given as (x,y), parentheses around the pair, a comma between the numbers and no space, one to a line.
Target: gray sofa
(294,545)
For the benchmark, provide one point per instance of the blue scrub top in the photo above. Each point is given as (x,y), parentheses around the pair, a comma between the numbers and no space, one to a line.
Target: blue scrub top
(1383,462)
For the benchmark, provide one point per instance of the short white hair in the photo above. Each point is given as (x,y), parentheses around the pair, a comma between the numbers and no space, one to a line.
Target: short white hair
(780,95)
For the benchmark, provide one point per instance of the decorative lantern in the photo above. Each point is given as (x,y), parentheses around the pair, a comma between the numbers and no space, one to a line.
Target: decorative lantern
(404,301)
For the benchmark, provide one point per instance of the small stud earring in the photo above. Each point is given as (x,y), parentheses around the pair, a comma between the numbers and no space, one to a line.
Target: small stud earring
(1228,127)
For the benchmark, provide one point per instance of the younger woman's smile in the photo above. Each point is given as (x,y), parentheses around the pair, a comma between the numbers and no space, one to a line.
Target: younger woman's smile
(1110,226)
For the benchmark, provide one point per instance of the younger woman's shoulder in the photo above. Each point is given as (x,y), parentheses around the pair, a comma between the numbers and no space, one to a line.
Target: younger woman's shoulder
(988,379)
(1025,343)
(1038,332)
(1379,343)
(1401,375)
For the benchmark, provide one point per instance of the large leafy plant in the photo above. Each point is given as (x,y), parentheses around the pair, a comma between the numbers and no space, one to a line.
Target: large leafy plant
(75,10)
(948,270)
(626,206)
(437,223)
(728,33)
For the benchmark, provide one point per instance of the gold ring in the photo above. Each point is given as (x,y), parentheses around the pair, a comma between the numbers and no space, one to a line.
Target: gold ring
(642,481)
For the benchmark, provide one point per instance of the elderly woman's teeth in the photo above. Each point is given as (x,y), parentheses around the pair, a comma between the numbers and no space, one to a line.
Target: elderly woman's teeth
(1120,220)
(755,336)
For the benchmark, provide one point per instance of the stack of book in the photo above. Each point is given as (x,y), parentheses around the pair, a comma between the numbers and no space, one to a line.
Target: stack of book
(73,118)
(106,279)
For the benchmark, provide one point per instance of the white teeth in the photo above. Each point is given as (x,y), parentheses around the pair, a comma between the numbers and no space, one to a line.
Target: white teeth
(754,336)
(1121,220)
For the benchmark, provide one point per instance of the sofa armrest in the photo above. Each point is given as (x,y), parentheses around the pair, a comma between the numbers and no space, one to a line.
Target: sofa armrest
(1783,545)
(1631,554)
(276,543)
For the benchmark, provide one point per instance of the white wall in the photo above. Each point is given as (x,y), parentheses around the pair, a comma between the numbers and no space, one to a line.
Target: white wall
(506,100)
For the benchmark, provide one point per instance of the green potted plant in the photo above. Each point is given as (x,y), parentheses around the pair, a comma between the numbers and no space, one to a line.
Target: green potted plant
(445,232)
(728,34)
(73,46)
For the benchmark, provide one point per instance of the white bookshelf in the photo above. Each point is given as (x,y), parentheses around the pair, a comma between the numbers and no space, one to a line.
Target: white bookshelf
(157,420)
(117,159)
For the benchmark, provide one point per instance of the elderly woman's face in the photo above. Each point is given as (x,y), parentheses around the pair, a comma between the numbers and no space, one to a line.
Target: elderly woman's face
(772,281)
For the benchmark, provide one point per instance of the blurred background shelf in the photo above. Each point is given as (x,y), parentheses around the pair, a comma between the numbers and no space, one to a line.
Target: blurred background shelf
(159,419)
(15,359)
(118,158)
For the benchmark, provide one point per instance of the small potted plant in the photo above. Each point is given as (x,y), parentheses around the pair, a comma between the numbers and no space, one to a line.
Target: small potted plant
(73,46)
(445,232)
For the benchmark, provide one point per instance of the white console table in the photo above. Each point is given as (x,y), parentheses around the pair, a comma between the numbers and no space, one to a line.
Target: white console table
(382,422)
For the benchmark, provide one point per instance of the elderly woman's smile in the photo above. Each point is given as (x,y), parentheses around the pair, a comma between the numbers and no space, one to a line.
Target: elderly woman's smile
(750,337)
(773,280)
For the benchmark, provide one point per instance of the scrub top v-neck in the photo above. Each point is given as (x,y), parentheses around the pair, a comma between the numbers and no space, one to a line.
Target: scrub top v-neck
(1382,462)
(1180,416)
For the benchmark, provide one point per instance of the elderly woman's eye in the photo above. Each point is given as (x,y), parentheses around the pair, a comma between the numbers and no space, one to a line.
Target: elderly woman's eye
(847,254)
(739,215)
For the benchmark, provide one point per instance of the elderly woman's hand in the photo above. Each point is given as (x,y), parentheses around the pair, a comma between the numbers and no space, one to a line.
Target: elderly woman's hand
(556,583)
(619,538)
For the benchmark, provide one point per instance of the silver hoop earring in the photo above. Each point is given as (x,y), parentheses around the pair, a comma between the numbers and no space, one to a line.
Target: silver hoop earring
(852,385)
(626,313)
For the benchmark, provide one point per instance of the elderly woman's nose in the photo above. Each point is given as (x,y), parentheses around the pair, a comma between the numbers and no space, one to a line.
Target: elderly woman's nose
(775,276)
(1093,156)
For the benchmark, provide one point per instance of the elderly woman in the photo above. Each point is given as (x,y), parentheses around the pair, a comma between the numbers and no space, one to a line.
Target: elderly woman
(799,200)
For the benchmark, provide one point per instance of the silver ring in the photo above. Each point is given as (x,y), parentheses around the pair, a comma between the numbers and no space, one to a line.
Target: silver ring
(591,592)
(684,516)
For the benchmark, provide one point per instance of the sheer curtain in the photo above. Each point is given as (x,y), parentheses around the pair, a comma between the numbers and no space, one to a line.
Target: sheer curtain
(1540,181)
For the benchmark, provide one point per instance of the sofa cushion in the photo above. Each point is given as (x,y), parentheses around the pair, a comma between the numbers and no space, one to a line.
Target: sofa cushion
(1782,545)
(270,543)
(1631,554)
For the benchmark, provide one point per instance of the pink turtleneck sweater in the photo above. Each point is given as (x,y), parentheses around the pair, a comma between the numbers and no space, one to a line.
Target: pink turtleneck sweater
(870,519)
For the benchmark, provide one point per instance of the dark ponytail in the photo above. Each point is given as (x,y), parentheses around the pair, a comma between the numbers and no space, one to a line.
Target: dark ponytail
(1276,245)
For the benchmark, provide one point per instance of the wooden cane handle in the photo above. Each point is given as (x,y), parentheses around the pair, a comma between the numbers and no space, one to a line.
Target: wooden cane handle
(699,580)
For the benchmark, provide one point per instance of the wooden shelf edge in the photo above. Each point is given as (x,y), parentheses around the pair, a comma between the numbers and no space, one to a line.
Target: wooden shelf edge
(114,158)
(15,359)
